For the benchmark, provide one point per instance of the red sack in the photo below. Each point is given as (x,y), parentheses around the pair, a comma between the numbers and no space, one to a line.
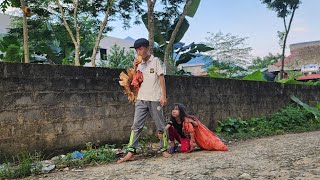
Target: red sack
(205,138)
(137,79)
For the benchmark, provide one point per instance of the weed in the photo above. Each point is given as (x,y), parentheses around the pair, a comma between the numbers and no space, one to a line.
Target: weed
(288,119)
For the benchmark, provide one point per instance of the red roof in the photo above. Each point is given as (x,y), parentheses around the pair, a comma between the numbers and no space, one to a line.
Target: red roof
(309,77)
(286,59)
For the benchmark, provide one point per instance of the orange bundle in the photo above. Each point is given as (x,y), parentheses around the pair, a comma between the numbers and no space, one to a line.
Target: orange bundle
(131,82)
(205,138)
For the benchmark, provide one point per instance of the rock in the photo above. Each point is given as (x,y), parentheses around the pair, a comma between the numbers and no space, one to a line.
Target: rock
(245,176)
(47,166)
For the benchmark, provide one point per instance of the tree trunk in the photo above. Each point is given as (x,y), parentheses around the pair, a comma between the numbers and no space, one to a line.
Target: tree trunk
(285,41)
(151,4)
(25,33)
(75,40)
(77,55)
(102,27)
(77,45)
(174,33)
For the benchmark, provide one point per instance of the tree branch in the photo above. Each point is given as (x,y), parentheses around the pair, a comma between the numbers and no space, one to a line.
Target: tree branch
(175,31)
(151,4)
(65,23)
(102,27)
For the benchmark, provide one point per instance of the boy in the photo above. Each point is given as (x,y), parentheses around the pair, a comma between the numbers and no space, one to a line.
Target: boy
(151,99)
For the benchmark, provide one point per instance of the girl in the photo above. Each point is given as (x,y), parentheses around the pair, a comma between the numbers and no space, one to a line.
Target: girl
(189,132)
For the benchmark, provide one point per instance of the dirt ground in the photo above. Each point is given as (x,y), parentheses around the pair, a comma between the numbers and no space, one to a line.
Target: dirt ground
(291,156)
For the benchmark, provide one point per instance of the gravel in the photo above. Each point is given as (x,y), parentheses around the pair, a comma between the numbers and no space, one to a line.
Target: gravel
(290,156)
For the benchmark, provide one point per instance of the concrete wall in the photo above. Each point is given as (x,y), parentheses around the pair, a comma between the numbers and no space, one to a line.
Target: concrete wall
(54,108)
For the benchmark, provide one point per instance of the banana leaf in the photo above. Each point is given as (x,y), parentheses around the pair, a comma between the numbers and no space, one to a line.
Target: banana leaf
(313,110)
(162,34)
(184,58)
(182,30)
(291,80)
(255,76)
(159,35)
(193,8)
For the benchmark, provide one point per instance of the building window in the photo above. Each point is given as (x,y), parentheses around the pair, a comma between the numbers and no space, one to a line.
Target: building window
(103,54)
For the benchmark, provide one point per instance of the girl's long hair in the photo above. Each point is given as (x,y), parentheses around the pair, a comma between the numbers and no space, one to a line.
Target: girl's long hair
(182,110)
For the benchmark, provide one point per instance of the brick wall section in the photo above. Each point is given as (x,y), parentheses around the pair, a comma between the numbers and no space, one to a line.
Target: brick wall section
(304,53)
(51,108)
(304,56)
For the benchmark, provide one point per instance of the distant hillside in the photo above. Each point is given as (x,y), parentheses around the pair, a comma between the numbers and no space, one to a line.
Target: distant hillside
(129,38)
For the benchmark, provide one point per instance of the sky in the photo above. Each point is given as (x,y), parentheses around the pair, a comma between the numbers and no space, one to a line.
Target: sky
(244,18)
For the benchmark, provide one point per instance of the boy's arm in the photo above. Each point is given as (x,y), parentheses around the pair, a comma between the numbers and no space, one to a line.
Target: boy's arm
(163,99)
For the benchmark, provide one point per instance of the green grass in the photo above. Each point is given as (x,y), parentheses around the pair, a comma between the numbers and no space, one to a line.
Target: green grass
(21,166)
(290,119)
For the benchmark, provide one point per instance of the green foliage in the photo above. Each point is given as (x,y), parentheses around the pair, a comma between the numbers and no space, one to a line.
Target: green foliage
(318,105)
(11,46)
(117,57)
(255,76)
(231,126)
(283,8)
(98,155)
(224,70)
(166,19)
(186,53)
(5,4)
(288,119)
(46,36)
(13,53)
(213,72)
(291,80)
(6,171)
(259,63)
(91,155)
(193,8)
(314,110)
(21,166)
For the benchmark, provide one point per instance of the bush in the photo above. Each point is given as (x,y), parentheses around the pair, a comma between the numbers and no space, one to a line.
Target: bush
(288,119)
(21,166)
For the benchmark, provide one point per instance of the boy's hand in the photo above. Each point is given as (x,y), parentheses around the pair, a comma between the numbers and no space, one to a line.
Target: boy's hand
(135,63)
(163,101)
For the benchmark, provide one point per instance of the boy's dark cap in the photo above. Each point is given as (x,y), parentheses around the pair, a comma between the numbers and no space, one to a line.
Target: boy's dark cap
(140,42)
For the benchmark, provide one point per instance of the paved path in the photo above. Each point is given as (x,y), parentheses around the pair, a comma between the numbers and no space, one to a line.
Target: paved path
(291,156)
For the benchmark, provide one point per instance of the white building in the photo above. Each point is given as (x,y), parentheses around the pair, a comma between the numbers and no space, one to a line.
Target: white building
(5,22)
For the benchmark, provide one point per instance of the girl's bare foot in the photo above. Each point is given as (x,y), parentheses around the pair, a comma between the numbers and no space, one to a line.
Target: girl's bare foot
(128,157)
(166,154)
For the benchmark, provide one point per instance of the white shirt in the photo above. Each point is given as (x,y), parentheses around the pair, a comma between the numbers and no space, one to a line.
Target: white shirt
(150,89)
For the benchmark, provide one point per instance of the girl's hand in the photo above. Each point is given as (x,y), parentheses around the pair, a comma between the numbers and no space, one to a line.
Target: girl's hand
(188,120)
(167,127)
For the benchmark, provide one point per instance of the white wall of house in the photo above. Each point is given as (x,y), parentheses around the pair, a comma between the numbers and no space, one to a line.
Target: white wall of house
(108,42)
(192,68)
(5,22)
